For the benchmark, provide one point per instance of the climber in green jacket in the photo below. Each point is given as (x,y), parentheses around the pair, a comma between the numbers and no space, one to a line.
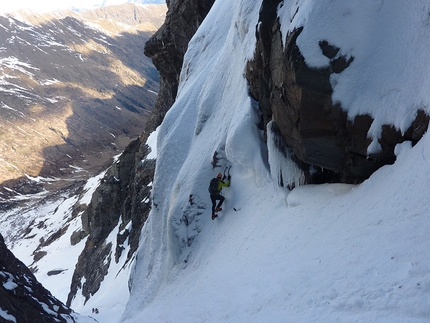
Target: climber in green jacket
(215,187)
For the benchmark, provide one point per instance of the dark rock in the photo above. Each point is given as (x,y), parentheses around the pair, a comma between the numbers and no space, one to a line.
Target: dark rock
(55,236)
(37,255)
(298,99)
(98,221)
(339,64)
(328,50)
(55,272)
(23,297)
(167,47)
(77,237)
(120,240)
(93,264)
(418,127)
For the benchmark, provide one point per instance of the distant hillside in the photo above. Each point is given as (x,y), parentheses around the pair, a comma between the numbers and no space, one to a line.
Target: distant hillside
(75,89)
(108,2)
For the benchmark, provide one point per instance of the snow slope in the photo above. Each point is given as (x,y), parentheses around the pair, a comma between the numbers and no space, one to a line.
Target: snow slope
(328,253)
(45,219)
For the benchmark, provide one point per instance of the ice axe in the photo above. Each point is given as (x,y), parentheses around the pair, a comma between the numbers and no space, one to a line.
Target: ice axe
(228,173)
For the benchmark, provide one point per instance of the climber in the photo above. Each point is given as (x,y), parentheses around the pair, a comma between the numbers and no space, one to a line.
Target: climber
(215,188)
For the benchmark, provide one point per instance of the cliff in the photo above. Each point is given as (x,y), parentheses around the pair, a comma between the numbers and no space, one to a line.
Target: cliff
(329,145)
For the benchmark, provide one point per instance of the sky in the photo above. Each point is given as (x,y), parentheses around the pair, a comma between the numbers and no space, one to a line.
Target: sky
(42,6)
(318,253)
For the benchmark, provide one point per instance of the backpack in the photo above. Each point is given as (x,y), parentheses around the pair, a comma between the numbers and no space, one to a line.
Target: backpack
(213,186)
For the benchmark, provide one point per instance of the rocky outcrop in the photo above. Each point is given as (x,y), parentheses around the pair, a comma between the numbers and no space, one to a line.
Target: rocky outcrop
(118,200)
(327,146)
(23,298)
(124,194)
(168,46)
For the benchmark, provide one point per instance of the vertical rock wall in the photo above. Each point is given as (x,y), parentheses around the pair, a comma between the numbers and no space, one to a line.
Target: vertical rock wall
(328,146)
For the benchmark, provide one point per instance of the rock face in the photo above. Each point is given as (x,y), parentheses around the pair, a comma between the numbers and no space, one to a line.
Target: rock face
(23,298)
(298,99)
(168,46)
(124,194)
(122,198)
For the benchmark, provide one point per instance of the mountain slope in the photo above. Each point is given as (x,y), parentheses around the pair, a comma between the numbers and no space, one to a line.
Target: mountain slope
(23,298)
(317,253)
(74,91)
(76,5)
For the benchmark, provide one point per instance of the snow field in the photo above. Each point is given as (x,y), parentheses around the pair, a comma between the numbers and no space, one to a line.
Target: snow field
(323,253)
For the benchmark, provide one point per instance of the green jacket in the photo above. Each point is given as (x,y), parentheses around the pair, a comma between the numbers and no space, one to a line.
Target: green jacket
(222,184)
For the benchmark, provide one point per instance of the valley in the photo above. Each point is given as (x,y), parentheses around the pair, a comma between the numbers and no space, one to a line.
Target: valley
(75,90)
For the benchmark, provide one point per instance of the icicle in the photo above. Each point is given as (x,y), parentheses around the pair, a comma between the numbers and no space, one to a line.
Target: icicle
(284,171)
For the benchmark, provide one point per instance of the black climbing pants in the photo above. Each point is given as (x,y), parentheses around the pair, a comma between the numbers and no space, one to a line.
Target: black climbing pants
(214,198)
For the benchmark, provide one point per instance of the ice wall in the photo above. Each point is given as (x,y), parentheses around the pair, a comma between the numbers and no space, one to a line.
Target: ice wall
(212,112)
